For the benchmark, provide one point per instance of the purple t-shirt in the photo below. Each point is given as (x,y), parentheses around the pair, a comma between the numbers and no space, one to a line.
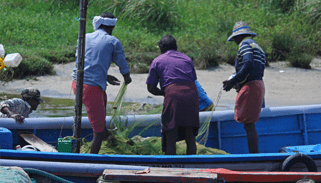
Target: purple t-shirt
(171,67)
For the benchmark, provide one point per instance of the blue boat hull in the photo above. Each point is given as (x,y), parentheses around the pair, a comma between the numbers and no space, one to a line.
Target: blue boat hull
(278,127)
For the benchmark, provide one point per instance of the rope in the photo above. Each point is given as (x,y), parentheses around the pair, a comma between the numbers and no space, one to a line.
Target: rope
(117,103)
(204,129)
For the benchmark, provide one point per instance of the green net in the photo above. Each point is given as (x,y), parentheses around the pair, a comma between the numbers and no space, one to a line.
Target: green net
(119,143)
(116,109)
(138,145)
(13,174)
(205,127)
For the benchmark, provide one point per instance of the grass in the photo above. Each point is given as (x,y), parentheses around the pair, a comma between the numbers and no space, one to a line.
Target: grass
(45,32)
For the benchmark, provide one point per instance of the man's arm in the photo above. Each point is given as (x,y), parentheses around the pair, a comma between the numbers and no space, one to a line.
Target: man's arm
(154,90)
(120,60)
(18,118)
(246,52)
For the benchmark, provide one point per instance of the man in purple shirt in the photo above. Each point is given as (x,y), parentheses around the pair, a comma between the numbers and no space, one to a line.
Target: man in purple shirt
(176,74)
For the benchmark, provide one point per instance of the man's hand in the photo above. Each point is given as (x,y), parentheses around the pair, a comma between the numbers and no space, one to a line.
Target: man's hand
(154,90)
(127,78)
(227,85)
(112,80)
(18,118)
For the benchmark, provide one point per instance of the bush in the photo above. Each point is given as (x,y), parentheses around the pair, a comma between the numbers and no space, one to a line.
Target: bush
(6,74)
(59,56)
(312,9)
(28,67)
(201,29)
(282,44)
(156,15)
(300,56)
(36,63)
(283,5)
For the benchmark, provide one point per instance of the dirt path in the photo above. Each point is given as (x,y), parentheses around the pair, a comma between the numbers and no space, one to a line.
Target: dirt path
(285,85)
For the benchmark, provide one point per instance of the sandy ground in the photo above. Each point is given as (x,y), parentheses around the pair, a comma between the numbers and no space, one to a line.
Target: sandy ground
(284,85)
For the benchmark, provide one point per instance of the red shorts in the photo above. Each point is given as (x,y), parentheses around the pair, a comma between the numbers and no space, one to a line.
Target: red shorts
(95,100)
(249,102)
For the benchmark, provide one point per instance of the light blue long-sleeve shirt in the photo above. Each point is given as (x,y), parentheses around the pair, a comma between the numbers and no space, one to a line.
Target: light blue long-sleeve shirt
(101,49)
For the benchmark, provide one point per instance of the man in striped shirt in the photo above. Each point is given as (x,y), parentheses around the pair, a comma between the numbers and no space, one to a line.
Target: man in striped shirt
(19,109)
(248,81)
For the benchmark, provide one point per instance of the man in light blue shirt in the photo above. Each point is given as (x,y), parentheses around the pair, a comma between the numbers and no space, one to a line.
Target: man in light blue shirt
(101,49)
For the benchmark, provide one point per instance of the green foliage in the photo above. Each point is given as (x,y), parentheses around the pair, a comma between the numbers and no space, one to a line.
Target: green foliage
(282,44)
(312,9)
(156,15)
(140,62)
(300,55)
(45,32)
(291,47)
(41,31)
(6,74)
(283,5)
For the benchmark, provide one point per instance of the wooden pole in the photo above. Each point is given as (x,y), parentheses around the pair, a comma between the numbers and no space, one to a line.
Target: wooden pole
(80,72)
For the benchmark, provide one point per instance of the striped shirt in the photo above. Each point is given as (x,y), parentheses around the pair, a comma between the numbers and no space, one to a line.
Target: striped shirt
(17,106)
(250,63)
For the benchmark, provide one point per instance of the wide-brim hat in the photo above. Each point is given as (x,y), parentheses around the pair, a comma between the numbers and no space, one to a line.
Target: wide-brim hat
(32,93)
(241,28)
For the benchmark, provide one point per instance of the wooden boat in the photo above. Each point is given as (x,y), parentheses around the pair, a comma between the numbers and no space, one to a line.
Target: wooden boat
(278,128)
(68,172)
(207,175)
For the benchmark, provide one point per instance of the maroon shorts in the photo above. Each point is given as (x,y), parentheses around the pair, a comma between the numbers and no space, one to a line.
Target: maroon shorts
(181,106)
(95,100)
(249,102)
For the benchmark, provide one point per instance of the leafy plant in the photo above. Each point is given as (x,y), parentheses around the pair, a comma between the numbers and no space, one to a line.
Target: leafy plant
(153,14)
(283,5)
(312,10)
(299,56)
(282,45)
(45,32)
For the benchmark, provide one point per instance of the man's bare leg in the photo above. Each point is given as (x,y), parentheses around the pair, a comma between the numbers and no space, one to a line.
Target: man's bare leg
(252,138)
(96,143)
(171,137)
(190,141)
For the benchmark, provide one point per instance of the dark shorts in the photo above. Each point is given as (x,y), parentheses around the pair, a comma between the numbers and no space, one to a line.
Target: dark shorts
(181,106)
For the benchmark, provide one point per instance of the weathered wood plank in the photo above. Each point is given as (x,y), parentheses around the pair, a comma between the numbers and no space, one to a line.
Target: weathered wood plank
(160,175)
(38,143)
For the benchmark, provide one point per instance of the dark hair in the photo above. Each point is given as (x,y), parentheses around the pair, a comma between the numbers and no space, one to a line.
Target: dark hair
(167,42)
(106,15)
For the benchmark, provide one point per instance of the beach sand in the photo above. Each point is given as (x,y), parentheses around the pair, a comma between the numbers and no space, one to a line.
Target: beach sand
(284,85)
